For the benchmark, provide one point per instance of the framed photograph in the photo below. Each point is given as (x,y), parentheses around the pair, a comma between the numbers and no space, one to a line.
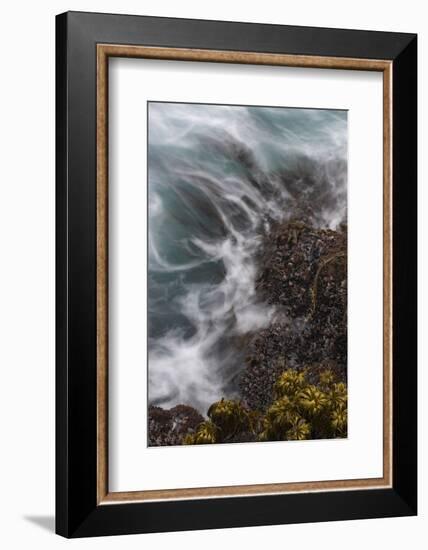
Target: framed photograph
(236,274)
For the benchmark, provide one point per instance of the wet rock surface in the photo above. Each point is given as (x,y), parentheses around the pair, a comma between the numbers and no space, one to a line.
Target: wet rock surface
(303,273)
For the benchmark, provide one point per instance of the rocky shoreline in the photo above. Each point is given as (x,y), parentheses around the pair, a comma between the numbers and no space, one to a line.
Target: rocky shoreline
(303,274)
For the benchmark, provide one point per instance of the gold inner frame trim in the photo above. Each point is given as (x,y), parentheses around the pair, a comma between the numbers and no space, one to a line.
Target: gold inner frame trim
(104,51)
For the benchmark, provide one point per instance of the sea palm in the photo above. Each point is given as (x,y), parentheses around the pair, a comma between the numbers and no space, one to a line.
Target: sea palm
(326,378)
(338,396)
(279,418)
(339,421)
(299,431)
(290,382)
(312,400)
(229,416)
(207,432)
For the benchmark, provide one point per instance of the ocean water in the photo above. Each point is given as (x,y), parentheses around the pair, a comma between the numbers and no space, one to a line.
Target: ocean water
(219,177)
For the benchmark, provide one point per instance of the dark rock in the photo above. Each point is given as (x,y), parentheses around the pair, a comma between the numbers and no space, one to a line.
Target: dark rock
(303,272)
(169,427)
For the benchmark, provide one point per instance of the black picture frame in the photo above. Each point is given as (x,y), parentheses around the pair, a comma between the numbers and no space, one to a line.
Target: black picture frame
(77,511)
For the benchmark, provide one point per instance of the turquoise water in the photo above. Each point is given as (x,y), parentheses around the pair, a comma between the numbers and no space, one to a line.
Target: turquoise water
(219,177)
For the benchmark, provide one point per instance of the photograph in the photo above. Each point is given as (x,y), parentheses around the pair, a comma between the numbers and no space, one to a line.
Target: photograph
(247,273)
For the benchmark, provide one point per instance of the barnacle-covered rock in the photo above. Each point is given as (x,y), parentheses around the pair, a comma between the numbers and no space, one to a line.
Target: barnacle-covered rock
(301,265)
(169,427)
(303,273)
(263,366)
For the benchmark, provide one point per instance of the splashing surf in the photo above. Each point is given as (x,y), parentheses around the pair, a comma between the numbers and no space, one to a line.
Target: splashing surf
(219,177)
